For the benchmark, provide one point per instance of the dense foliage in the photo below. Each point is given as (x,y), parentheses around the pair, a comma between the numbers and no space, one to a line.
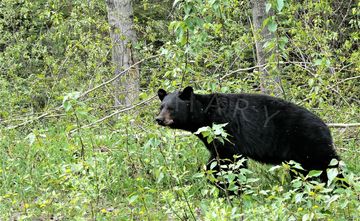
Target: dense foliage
(62,157)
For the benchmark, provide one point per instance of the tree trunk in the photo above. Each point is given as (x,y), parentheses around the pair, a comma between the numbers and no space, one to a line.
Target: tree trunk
(261,35)
(120,16)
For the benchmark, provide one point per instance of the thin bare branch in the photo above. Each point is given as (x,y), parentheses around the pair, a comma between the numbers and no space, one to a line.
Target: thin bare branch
(241,70)
(348,79)
(339,125)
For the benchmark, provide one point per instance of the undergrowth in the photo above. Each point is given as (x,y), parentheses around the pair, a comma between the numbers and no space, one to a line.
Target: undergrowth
(131,169)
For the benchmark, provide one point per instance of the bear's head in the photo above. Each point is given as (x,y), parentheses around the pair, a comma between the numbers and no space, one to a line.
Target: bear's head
(180,109)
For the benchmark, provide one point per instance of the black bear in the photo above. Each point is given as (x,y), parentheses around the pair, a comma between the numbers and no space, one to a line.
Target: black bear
(264,128)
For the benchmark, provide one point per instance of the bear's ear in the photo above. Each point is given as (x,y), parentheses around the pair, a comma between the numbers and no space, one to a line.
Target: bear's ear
(186,93)
(161,93)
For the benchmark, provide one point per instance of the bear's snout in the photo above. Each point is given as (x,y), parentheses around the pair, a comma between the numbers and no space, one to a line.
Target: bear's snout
(159,120)
(164,121)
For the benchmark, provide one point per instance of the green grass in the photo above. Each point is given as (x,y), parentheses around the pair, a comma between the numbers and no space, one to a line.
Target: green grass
(139,171)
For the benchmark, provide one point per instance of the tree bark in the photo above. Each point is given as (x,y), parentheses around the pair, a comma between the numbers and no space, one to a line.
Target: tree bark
(261,36)
(120,17)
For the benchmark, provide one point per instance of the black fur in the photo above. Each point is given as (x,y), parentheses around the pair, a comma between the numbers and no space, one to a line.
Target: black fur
(264,128)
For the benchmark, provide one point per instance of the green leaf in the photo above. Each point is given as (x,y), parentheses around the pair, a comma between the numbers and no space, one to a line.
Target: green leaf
(231,177)
(280,5)
(274,168)
(331,200)
(296,183)
(282,42)
(187,10)
(317,62)
(314,173)
(173,25)
(233,187)
(161,176)
(295,165)
(133,198)
(221,140)
(198,175)
(299,197)
(327,62)
(175,3)
(272,26)
(143,96)
(211,2)
(201,130)
(267,7)
(308,217)
(81,113)
(266,21)
(311,82)
(67,105)
(206,133)
(332,173)
(334,162)
(31,137)
(213,165)
(219,126)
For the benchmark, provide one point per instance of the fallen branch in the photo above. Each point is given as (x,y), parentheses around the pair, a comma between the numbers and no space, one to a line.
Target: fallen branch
(28,121)
(118,75)
(112,114)
(339,125)
(44,115)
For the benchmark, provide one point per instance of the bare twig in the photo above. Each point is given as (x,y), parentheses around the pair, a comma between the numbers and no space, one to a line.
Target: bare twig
(306,69)
(346,79)
(264,65)
(242,69)
(344,68)
(346,14)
